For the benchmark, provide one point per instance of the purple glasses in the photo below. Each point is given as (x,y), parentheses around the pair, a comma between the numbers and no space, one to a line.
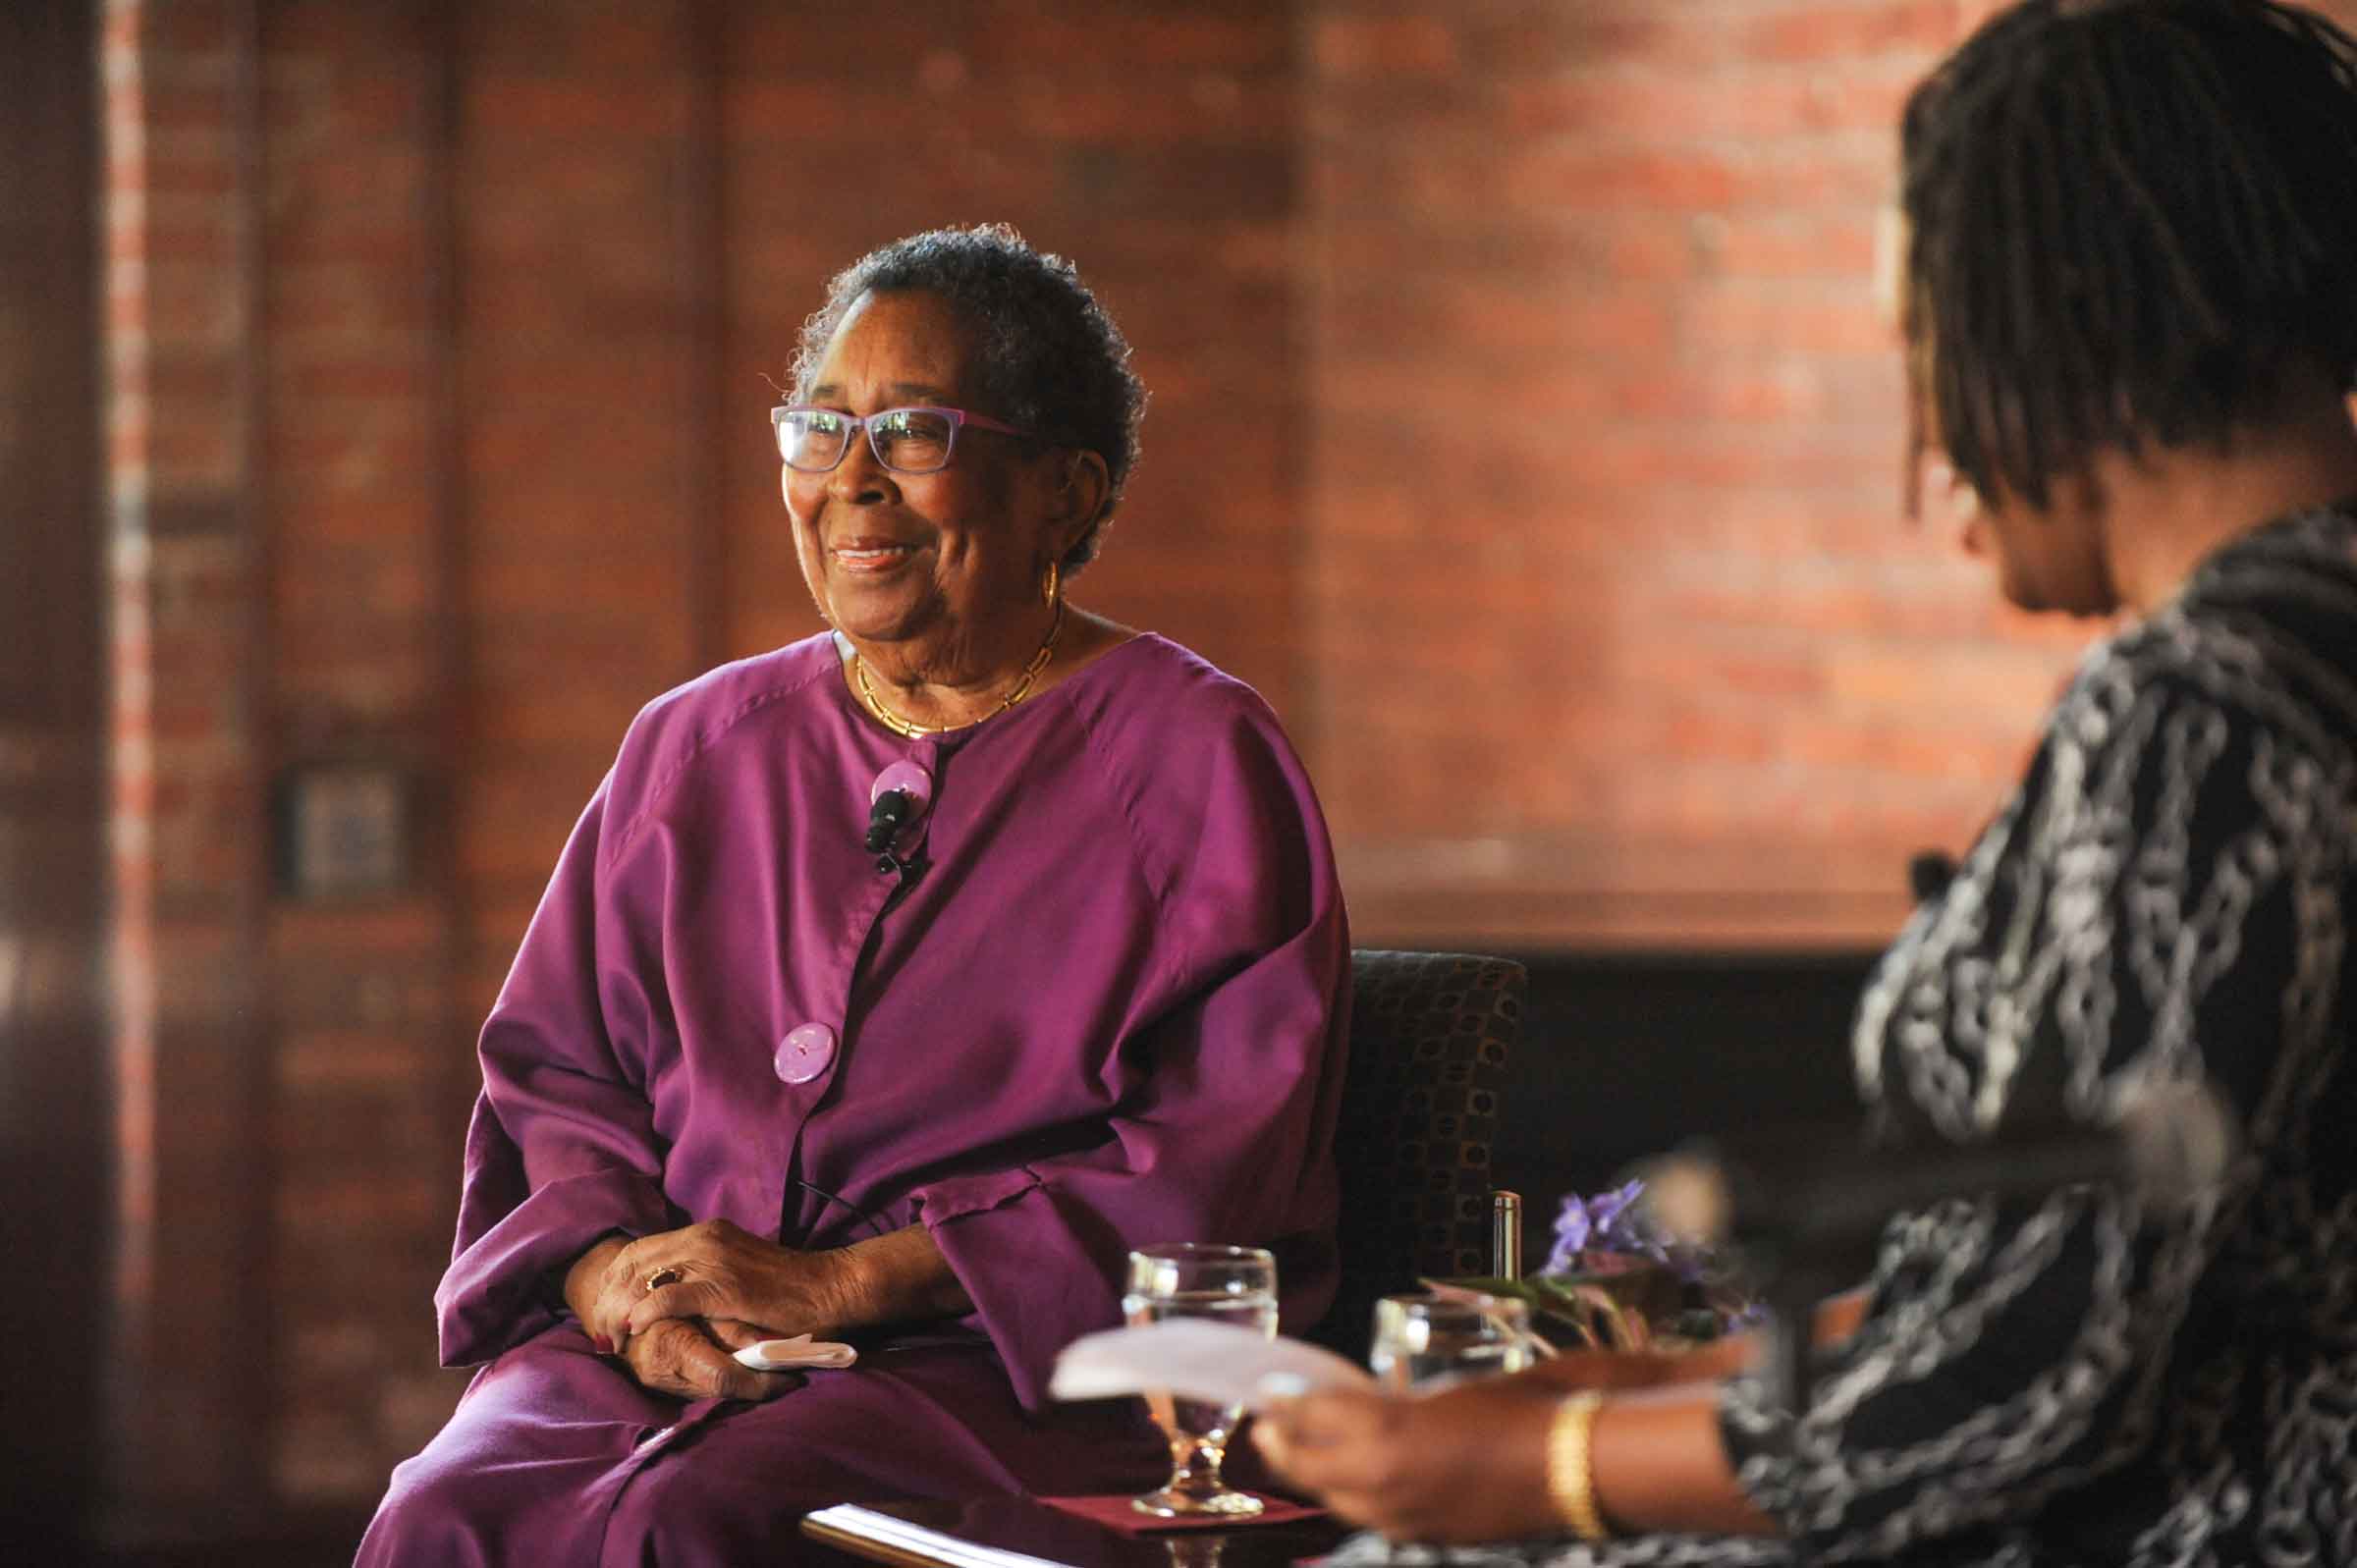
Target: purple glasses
(914,440)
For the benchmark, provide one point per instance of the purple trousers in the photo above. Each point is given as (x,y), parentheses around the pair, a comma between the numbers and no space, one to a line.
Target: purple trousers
(555,1456)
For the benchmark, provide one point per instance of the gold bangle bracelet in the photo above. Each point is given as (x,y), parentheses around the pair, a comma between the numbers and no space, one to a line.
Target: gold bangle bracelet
(1571,1465)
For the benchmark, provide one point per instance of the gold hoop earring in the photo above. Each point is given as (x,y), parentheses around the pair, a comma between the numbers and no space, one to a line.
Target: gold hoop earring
(1051,585)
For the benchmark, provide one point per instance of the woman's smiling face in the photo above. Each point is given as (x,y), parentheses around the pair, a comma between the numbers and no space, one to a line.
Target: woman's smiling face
(939,568)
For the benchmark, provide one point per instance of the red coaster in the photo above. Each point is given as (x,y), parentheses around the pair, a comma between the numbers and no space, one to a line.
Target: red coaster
(1115,1513)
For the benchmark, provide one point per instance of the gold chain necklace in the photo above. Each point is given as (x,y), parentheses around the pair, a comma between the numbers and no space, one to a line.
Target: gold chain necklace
(1022,689)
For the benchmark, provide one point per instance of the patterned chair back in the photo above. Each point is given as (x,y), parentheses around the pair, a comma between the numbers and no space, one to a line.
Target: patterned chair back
(1430,1033)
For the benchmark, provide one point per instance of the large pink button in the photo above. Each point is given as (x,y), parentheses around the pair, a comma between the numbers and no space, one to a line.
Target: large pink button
(804,1052)
(908,779)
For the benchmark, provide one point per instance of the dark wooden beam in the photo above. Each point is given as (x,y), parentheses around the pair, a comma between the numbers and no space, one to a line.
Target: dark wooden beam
(56,1120)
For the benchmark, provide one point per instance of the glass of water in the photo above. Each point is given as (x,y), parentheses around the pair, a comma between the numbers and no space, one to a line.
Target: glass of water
(1429,1339)
(1224,1285)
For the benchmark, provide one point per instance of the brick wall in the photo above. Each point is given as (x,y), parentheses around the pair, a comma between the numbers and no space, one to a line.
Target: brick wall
(1520,425)
(369,1074)
(1680,674)
(1608,430)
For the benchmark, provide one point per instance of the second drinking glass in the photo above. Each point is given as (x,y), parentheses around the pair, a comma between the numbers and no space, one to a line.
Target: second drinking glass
(1427,1341)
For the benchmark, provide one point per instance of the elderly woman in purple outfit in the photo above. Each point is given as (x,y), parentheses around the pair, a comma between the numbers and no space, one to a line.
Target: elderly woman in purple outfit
(892,986)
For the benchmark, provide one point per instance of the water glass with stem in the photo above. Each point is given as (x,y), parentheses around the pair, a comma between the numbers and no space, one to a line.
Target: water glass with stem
(1223,1284)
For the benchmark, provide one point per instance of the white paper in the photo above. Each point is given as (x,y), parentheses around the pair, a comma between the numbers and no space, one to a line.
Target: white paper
(781,1354)
(870,1525)
(1220,1364)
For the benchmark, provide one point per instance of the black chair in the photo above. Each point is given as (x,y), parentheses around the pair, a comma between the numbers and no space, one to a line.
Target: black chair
(1430,1033)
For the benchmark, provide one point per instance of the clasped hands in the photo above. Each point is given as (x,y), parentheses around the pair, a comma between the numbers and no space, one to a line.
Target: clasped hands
(716,1288)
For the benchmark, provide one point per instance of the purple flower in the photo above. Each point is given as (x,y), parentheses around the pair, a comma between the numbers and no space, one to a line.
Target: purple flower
(1612,1234)
(1610,1222)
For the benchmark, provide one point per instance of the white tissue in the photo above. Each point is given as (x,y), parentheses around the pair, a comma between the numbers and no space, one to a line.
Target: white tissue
(783,1355)
(1217,1363)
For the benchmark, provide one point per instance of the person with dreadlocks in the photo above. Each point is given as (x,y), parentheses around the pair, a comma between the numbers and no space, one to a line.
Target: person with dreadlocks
(2129,302)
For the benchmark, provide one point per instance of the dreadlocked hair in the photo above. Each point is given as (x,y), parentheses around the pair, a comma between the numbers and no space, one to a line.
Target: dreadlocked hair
(2130,222)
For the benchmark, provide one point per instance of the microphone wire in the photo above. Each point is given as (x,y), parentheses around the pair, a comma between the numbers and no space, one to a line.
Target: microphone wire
(860,1215)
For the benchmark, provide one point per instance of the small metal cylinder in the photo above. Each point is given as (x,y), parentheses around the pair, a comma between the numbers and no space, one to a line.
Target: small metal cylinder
(1505,1233)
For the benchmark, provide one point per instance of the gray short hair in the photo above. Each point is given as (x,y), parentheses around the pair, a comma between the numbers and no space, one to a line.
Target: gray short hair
(1051,358)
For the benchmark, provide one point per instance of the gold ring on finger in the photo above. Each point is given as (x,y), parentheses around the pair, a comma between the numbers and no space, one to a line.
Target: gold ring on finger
(670,1273)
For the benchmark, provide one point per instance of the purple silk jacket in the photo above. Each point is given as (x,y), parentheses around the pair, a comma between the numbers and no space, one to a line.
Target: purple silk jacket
(1108,1012)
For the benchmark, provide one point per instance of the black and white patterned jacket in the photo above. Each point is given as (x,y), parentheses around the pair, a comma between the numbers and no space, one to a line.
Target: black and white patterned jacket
(2166,893)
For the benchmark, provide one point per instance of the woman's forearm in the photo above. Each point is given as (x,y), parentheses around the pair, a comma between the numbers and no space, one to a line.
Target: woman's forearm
(585,1278)
(1658,1458)
(1658,1464)
(1512,1458)
(900,1277)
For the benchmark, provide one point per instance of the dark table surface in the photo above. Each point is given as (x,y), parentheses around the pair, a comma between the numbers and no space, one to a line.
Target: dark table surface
(1021,1524)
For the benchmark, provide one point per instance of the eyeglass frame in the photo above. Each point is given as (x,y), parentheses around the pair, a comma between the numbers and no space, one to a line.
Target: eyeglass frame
(865,425)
